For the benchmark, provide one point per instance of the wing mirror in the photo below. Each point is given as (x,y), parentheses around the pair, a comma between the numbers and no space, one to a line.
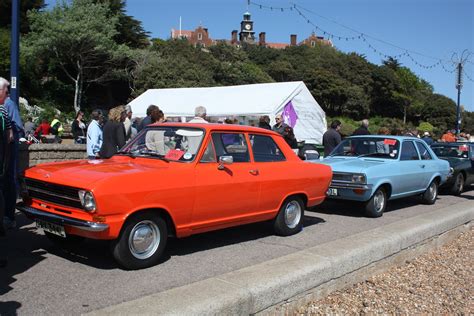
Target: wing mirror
(225,160)
(310,154)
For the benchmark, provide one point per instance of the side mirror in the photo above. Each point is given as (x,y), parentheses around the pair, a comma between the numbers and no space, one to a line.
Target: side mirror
(311,154)
(225,160)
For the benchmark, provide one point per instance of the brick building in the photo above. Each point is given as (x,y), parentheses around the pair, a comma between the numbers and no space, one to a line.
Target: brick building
(200,36)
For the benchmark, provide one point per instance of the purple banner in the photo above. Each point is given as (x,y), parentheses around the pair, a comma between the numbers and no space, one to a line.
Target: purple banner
(289,115)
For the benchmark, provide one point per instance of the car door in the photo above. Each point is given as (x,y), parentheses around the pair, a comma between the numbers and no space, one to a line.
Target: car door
(229,193)
(428,165)
(272,168)
(410,168)
(470,172)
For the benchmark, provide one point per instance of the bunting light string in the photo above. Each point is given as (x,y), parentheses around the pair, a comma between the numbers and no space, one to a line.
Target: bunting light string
(360,36)
(447,70)
(467,76)
(271,8)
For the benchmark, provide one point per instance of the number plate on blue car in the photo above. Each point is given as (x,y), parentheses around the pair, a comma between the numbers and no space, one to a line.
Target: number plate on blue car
(51,228)
(331,192)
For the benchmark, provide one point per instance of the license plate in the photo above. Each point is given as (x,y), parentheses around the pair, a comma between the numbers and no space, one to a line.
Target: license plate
(331,192)
(51,228)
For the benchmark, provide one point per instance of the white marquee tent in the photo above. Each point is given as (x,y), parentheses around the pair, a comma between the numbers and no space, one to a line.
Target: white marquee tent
(246,102)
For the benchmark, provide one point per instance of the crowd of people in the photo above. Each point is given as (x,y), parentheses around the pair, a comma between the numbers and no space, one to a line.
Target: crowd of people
(332,137)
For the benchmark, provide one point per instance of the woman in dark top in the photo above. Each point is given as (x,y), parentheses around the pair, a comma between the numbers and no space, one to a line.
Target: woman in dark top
(290,138)
(78,129)
(113,133)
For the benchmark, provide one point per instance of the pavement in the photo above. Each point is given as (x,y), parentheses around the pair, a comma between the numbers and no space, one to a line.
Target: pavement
(252,290)
(240,270)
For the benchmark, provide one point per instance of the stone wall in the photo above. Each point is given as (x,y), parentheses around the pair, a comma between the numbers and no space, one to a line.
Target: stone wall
(40,153)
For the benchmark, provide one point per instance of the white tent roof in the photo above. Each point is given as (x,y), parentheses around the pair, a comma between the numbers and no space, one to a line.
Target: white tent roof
(245,100)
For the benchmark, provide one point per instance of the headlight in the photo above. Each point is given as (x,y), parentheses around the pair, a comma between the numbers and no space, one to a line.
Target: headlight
(358,178)
(87,200)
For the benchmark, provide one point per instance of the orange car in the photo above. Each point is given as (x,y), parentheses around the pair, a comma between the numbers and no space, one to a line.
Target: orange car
(174,180)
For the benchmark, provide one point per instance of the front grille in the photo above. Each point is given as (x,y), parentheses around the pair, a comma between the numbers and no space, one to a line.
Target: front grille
(53,193)
(345,177)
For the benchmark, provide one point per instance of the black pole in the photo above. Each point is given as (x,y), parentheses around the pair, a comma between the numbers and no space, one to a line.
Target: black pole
(458,108)
(15,53)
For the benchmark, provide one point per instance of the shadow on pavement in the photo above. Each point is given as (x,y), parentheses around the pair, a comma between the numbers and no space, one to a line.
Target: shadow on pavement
(30,246)
(22,251)
(356,209)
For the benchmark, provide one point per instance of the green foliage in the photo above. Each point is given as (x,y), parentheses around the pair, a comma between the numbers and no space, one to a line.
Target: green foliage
(25,6)
(425,127)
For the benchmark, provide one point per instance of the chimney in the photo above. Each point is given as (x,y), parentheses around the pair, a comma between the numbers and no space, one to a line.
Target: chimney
(261,39)
(234,37)
(293,40)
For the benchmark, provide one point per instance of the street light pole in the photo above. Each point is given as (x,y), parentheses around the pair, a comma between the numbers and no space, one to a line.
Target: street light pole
(458,108)
(15,53)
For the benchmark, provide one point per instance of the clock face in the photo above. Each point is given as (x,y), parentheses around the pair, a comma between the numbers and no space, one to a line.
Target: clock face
(248,26)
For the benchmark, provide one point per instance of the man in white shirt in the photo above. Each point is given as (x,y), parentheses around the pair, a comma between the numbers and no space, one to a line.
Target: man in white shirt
(94,135)
(199,115)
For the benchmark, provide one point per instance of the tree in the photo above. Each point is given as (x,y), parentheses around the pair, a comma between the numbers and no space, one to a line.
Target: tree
(25,6)
(79,39)
(392,63)
(409,84)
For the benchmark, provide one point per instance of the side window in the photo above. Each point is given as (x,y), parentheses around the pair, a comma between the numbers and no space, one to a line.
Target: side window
(265,149)
(209,154)
(231,144)
(409,151)
(424,153)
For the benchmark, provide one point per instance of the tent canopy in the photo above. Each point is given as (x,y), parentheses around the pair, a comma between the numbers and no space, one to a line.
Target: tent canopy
(241,101)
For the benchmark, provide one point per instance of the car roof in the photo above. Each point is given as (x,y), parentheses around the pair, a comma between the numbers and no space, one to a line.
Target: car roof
(399,138)
(453,143)
(220,127)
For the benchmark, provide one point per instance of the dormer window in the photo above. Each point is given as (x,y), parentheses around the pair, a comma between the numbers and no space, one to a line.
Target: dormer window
(199,36)
(313,43)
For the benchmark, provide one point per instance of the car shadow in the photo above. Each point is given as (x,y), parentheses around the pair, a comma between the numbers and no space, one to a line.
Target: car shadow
(22,251)
(96,253)
(356,209)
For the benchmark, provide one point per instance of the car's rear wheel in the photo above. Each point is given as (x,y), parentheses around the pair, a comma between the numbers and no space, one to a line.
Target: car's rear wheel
(142,241)
(458,185)
(64,242)
(431,193)
(377,203)
(289,220)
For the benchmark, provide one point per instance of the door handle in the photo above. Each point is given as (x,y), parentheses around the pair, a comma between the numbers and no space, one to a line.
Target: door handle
(254,172)
(422,166)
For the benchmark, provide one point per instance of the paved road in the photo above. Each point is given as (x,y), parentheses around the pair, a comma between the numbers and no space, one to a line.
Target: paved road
(43,279)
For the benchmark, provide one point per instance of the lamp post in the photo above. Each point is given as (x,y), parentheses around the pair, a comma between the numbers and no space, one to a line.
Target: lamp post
(460,64)
(15,53)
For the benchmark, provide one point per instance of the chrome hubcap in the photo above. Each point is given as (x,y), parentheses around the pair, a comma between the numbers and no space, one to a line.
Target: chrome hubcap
(433,191)
(292,214)
(379,201)
(144,239)
(460,182)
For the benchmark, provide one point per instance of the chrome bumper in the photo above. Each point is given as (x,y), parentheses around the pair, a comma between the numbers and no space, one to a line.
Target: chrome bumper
(342,185)
(61,220)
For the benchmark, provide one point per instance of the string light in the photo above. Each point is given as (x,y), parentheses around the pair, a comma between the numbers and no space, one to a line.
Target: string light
(360,36)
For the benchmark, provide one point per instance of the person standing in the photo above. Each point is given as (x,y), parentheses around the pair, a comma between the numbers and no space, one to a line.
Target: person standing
(200,113)
(264,122)
(363,129)
(280,126)
(449,136)
(127,124)
(30,127)
(10,193)
(332,137)
(114,133)
(427,138)
(78,129)
(6,137)
(94,135)
(147,120)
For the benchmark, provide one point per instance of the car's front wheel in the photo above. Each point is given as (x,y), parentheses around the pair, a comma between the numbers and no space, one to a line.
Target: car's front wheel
(142,241)
(289,220)
(377,204)
(458,185)
(431,193)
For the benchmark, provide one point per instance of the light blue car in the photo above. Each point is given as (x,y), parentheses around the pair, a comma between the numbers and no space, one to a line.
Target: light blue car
(376,168)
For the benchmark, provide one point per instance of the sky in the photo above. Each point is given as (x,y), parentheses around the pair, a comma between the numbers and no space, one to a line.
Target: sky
(430,30)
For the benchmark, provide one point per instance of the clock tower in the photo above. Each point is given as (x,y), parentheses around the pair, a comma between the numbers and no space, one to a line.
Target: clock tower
(246,29)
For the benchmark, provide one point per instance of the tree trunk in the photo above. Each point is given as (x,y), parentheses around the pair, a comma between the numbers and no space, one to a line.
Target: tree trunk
(78,91)
(404,115)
